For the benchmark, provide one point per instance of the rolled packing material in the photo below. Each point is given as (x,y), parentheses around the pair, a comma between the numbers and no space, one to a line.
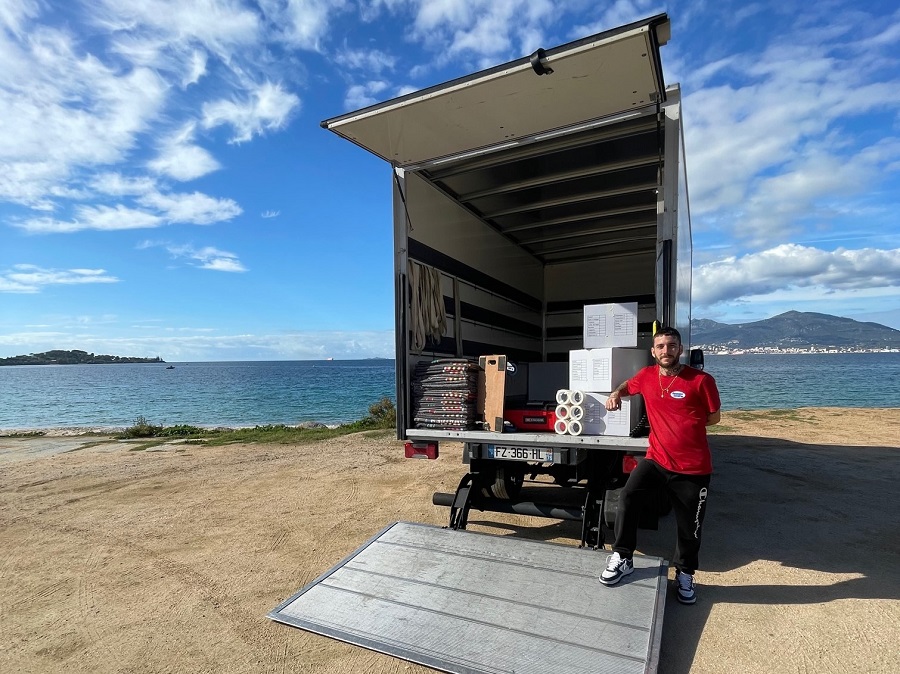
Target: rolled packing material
(562,396)
(577,412)
(576,397)
(563,411)
(575,427)
(561,427)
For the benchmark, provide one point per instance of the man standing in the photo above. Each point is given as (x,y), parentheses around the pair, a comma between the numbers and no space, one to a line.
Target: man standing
(681,402)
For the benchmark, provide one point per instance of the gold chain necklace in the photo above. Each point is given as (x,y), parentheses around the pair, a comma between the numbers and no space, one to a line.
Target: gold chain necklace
(664,391)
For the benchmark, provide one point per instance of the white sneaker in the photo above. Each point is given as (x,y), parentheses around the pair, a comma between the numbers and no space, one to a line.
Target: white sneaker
(684,584)
(616,567)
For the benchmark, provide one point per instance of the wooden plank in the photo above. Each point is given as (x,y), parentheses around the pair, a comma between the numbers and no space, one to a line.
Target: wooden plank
(494,391)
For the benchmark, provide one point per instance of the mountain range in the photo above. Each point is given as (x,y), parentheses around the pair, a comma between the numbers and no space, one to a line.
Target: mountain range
(794,330)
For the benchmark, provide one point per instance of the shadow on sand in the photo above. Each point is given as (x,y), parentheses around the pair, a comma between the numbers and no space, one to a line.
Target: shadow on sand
(825,508)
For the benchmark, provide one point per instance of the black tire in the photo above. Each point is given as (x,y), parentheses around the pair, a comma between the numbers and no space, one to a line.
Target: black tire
(502,482)
(508,484)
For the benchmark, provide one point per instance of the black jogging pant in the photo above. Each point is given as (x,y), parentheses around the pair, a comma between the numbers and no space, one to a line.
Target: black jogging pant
(688,494)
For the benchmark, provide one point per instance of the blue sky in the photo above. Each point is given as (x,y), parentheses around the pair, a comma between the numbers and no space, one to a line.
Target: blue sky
(165,187)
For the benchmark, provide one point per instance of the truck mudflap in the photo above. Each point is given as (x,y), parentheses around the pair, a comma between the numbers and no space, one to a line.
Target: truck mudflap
(467,602)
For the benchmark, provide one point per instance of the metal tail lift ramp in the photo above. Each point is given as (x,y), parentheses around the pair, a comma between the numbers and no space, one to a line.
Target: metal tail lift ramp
(469,603)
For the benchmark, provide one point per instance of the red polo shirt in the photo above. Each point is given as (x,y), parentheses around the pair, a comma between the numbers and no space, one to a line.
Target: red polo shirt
(677,408)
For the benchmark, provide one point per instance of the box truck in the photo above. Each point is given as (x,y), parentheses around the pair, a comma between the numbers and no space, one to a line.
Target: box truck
(521,195)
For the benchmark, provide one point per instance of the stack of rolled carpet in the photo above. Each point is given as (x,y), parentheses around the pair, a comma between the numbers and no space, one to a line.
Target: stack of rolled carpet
(445,393)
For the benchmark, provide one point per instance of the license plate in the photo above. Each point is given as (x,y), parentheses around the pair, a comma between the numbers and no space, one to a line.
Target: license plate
(513,453)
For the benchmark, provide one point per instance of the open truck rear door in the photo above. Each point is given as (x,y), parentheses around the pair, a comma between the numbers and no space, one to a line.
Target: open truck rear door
(528,99)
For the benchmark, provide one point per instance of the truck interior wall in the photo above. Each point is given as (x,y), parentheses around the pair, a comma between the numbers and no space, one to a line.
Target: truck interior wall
(493,287)
(569,287)
(442,225)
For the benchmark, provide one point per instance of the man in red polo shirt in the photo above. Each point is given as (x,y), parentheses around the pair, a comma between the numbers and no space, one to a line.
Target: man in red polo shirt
(681,402)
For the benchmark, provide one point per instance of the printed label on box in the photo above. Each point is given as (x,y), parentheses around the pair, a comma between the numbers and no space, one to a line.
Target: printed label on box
(607,325)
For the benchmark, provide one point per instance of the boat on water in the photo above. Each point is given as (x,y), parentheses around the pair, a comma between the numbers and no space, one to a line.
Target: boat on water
(170,367)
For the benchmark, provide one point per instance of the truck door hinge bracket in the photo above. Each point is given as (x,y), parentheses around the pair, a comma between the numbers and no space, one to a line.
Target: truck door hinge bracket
(459,511)
(537,63)
(592,521)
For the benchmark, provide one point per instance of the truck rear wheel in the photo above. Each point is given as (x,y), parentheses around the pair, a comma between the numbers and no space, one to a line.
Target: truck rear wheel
(502,482)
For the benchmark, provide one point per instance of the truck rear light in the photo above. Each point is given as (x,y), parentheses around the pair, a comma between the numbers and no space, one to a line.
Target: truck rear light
(421,450)
(629,463)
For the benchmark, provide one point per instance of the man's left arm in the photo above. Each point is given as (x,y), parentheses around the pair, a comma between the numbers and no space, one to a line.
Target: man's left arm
(711,393)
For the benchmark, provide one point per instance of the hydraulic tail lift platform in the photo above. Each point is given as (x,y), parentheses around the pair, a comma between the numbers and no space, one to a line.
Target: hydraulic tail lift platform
(468,603)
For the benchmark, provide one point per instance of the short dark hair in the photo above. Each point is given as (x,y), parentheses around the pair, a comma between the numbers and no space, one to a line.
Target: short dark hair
(667,332)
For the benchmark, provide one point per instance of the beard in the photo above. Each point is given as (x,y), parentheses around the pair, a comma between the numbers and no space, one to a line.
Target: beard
(666,362)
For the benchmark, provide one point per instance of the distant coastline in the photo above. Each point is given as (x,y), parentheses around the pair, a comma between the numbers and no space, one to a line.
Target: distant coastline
(74,357)
(714,350)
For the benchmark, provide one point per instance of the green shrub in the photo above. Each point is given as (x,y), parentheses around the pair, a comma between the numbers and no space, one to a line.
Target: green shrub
(141,429)
(382,415)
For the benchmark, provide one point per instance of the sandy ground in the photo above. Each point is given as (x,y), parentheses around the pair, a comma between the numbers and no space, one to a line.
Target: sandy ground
(167,560)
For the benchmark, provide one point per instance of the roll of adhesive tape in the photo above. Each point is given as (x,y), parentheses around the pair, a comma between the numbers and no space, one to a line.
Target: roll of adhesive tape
(562,396)
(577,412)
(576,397)
(561,427)
(575,427)
(563,411)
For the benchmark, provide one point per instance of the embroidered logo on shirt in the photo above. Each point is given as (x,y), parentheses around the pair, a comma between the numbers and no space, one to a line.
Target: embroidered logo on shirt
(678,394)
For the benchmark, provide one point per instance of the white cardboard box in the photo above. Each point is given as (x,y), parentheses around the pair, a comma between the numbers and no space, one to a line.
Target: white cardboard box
(603,370)
(607,325)
(597,420)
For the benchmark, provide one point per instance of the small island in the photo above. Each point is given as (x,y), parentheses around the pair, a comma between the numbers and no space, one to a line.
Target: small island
(60,357)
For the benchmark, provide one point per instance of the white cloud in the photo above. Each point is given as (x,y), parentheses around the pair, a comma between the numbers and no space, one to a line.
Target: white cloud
(775,138)
(64,109)
(301,23)
(490,29)
(208,257)
(372,61)
(790,266)
(362,95)
(181,159)
(115,184)
(219,25)
(105,218)
(195,208)
(29,278)
(223,263)
(270,214)
(197,68)
(268,108)
(619,13)
(198,345)
(15,13)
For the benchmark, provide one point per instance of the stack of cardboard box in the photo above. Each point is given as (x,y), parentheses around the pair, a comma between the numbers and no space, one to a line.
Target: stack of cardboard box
(609,357)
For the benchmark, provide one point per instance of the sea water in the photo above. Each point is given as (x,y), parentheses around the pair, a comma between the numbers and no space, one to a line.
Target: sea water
(200,394)
(332,392)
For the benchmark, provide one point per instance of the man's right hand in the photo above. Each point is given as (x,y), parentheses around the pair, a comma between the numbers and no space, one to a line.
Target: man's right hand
(614,401)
